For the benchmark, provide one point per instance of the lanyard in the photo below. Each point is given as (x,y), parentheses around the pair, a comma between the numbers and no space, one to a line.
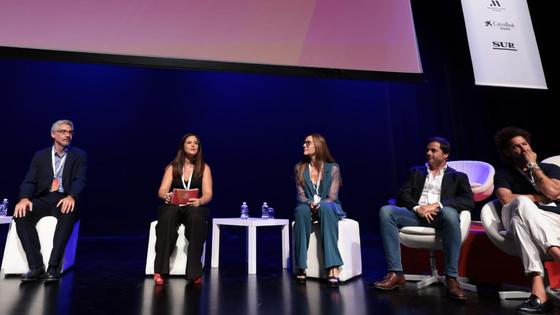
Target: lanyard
(187,187)
(56,171)
(318,179)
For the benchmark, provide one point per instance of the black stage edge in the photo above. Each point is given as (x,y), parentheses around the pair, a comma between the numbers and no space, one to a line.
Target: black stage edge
(175,63)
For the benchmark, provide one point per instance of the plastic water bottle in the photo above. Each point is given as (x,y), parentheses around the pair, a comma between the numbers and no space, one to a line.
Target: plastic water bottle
(264,211)
(270,213)
(244,211)
(4,207)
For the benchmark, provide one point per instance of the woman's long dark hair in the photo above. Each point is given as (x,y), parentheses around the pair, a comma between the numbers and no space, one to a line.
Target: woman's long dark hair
(179,161)
(322,154)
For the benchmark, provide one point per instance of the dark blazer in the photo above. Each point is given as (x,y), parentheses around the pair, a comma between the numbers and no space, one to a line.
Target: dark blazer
(39,177)
(455,189)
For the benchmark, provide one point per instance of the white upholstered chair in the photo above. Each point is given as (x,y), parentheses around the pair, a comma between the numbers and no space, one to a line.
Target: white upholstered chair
(15,261)
(494,228)
(552,160)
(426,238)
(481,177)
(348,245)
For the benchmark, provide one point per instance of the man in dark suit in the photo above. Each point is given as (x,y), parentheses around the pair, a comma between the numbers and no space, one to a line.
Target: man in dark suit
(54,181)
(432,196)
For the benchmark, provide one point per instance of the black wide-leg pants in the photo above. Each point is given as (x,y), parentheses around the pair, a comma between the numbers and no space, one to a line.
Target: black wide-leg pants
(27,233)
(196,231)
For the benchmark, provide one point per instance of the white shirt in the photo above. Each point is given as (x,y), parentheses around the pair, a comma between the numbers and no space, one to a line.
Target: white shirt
(431,193)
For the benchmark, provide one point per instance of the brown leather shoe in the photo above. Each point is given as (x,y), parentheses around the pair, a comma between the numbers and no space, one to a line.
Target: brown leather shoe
(454,290)
(391,282)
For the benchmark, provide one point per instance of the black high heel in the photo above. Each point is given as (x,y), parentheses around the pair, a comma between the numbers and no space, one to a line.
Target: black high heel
(333,281)
(301,277)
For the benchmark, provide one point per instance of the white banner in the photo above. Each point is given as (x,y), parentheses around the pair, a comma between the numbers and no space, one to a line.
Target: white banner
(502,43)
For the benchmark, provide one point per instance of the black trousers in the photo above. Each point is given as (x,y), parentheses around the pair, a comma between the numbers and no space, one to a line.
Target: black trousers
(196,231)
(27,233)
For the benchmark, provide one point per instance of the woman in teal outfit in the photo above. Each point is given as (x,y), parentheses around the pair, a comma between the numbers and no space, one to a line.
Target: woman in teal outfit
(317,182)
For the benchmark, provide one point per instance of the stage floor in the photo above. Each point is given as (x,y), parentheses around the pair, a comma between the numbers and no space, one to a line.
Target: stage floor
(109,279)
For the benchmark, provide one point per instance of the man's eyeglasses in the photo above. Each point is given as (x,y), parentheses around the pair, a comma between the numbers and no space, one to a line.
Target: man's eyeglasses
(63,131)
(307,143)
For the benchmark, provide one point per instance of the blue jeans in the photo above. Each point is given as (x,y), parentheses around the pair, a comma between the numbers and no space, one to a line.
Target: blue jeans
(447,226)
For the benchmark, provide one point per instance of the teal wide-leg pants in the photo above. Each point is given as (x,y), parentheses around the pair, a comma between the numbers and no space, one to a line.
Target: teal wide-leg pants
(328,220)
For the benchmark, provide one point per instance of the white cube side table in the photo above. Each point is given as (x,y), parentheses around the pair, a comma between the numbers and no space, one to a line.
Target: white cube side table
(5,220)
(251,224)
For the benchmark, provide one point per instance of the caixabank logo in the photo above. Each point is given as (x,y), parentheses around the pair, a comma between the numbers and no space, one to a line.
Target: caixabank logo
(495,5)
(504,26)
(499,45)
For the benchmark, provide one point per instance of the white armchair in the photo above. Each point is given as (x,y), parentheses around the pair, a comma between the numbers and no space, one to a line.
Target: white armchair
(481,179)
(494,228)
(480,174)
(426,238)
(552,160)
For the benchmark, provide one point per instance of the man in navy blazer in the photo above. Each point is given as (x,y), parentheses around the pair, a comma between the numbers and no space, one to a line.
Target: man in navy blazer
(54,181)
(433,196)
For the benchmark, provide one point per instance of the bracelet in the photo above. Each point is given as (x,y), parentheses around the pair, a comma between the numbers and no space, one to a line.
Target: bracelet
(534,170)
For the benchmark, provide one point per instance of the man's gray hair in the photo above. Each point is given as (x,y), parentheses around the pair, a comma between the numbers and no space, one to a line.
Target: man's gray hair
(57,124)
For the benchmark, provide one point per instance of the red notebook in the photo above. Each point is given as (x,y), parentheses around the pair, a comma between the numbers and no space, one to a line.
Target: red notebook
(180,197)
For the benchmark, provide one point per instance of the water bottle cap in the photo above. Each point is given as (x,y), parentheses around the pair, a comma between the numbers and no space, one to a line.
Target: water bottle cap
(5,199)
(244,202)
(264,203)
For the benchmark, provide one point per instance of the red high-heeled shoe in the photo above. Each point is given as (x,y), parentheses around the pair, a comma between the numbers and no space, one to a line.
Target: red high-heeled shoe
(158,279)
(194,282)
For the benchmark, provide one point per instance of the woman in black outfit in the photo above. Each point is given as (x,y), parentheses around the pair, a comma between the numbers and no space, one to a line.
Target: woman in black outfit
(187,171)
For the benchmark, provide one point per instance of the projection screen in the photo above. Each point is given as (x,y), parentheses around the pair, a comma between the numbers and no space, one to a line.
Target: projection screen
(361,35)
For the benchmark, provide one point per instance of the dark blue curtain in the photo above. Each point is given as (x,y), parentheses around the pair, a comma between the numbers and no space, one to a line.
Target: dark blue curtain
(130,120)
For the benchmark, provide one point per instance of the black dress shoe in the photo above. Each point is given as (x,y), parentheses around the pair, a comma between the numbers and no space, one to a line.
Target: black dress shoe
(52,275)
(33,275)
(534,306)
